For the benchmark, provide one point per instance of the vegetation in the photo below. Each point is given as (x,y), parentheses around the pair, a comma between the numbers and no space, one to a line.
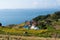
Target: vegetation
(53,17)
(47,27)
(0,24)
(50,19)
(50,32)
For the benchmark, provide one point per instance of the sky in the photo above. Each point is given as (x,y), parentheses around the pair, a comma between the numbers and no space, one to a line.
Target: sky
(7,17)
(29,4)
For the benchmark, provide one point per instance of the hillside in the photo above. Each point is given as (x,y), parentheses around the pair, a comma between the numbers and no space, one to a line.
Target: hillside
(49,26)
(50,19)
(55,16)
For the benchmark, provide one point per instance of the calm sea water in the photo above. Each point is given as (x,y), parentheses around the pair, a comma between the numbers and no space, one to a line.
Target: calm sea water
(17,16)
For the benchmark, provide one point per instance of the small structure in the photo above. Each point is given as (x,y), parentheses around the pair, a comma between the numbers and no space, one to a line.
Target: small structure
(31,25)
(27,25)
(34,25)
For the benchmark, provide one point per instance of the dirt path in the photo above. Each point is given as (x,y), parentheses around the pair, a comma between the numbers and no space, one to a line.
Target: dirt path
(13,37)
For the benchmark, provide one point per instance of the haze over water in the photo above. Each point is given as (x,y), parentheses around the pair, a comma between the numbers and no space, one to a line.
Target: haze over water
(17,16)
(18,11)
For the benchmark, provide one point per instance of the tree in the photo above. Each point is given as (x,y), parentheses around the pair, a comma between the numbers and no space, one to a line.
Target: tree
(0,24)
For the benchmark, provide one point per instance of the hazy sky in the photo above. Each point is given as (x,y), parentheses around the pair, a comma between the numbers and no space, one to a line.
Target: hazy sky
(27,4)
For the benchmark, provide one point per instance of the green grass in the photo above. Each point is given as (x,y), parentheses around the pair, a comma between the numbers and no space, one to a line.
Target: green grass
(22,32)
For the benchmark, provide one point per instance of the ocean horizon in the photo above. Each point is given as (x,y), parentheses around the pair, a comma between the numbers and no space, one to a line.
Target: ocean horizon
(17,16)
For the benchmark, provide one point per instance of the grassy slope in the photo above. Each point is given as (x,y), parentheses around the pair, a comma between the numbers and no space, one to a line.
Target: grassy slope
(49,32)
(21,32)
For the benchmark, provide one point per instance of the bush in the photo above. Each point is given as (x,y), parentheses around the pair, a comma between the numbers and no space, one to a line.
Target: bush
(25,32)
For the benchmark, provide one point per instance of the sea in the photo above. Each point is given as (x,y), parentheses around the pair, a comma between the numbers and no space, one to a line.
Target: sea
(18,16)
